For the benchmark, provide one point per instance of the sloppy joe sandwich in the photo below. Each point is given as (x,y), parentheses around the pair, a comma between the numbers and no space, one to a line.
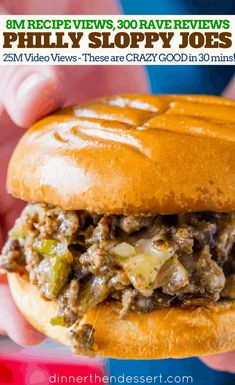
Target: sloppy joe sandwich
(126,247)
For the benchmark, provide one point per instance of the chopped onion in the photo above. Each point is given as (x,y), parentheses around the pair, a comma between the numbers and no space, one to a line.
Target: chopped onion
(124,250)
(142,262)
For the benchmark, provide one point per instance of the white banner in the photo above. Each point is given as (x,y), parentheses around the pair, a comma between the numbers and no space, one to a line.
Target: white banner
(112,40)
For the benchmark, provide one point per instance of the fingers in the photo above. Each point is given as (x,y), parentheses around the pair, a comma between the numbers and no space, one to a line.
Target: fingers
(66,7)
(12,323)
(30,92)
(131,79)
(224,362)
(229,91)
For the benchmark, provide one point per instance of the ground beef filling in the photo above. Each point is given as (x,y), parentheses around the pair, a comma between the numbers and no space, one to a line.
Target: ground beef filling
(141,262)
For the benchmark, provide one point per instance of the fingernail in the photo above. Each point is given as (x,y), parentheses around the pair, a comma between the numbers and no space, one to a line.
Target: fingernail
(29,84)
(37,95)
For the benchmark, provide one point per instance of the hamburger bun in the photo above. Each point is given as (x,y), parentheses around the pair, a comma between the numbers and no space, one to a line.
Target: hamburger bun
(131,154)
(165,333)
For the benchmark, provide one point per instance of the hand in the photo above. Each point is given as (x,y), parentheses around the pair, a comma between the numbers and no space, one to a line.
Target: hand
(28,93)
(11,321)
(224,362)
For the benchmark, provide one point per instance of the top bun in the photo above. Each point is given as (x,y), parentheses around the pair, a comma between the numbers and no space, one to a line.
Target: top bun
(131,154)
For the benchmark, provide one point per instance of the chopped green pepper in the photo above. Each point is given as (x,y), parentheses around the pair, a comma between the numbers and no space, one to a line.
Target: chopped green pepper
(58,321)
(54,269)
(14,233)
(50,247)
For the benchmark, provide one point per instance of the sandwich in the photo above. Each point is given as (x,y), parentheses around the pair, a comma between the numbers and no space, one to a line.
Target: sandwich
(126,247)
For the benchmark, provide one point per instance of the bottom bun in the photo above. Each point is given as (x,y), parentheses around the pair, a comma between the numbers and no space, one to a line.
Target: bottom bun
(164,333)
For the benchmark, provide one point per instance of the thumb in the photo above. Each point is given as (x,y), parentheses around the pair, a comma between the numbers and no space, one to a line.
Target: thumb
(30,92)
(229,91)
(223,362)
(12,322)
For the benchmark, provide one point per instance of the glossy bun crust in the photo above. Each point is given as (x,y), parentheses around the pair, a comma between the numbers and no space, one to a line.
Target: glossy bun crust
(164,333)
(131,154)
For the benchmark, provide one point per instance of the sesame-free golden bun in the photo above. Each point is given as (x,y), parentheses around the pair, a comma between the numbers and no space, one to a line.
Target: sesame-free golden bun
(173,332)
(131,154)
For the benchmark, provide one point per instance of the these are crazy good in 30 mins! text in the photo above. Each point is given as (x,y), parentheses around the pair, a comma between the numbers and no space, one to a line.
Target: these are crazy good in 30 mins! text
(127,246)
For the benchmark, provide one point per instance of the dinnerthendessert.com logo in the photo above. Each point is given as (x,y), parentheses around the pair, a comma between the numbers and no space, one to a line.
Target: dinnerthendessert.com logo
(122,379)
